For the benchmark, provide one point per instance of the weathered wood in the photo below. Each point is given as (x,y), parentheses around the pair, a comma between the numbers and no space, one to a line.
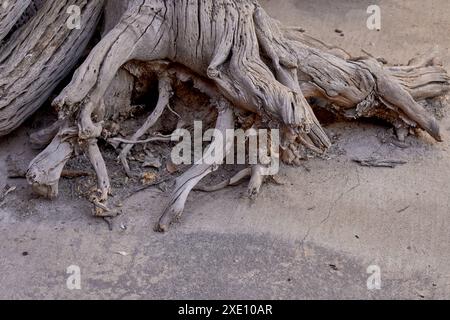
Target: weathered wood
(10,13)
(209,163)
(45,170)
(365,88)
(39,56)
(235,53)
(22,17)
(165,93)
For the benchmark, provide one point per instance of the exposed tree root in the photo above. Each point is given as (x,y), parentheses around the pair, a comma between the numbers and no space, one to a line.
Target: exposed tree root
(165,93)
(259,172)
(209,163)
(133,142)
(96,158)
(234,53)
(233,181)
(45,170)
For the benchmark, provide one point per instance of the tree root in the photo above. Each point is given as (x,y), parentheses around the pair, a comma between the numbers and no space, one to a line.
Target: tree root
(209,163)
(259,172)
(163,101)
(97,161)
(45,170)
(233,181)
(234,53)
(133,142)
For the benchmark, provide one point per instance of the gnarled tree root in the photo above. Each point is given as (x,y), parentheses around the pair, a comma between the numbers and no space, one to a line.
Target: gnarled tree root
(232,51)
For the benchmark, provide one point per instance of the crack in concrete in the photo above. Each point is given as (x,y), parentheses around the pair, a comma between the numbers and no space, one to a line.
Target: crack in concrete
(333,205)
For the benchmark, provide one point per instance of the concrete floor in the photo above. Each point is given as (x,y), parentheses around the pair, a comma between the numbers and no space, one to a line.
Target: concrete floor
(313,237)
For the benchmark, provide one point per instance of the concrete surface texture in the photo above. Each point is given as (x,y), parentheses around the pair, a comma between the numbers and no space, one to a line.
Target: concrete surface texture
(313,237)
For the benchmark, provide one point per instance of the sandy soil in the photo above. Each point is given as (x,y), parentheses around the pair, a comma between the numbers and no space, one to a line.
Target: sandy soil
(314,237)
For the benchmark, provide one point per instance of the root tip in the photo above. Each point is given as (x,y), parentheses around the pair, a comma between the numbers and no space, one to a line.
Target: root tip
(161,228)
(435,131)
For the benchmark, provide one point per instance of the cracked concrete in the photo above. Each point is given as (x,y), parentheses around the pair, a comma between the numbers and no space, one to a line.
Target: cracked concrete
(313,237)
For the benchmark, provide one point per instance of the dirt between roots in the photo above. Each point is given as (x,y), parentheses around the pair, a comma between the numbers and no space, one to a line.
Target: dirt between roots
(312,237)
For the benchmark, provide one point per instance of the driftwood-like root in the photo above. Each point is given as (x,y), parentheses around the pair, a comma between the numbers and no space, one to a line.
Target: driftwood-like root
(233,181)
(364,87)
(209,163)
(159,138)
(234,53)
(259,172)
(45,170)
(423,81)
(165,92)
(133,38)
(97,161)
